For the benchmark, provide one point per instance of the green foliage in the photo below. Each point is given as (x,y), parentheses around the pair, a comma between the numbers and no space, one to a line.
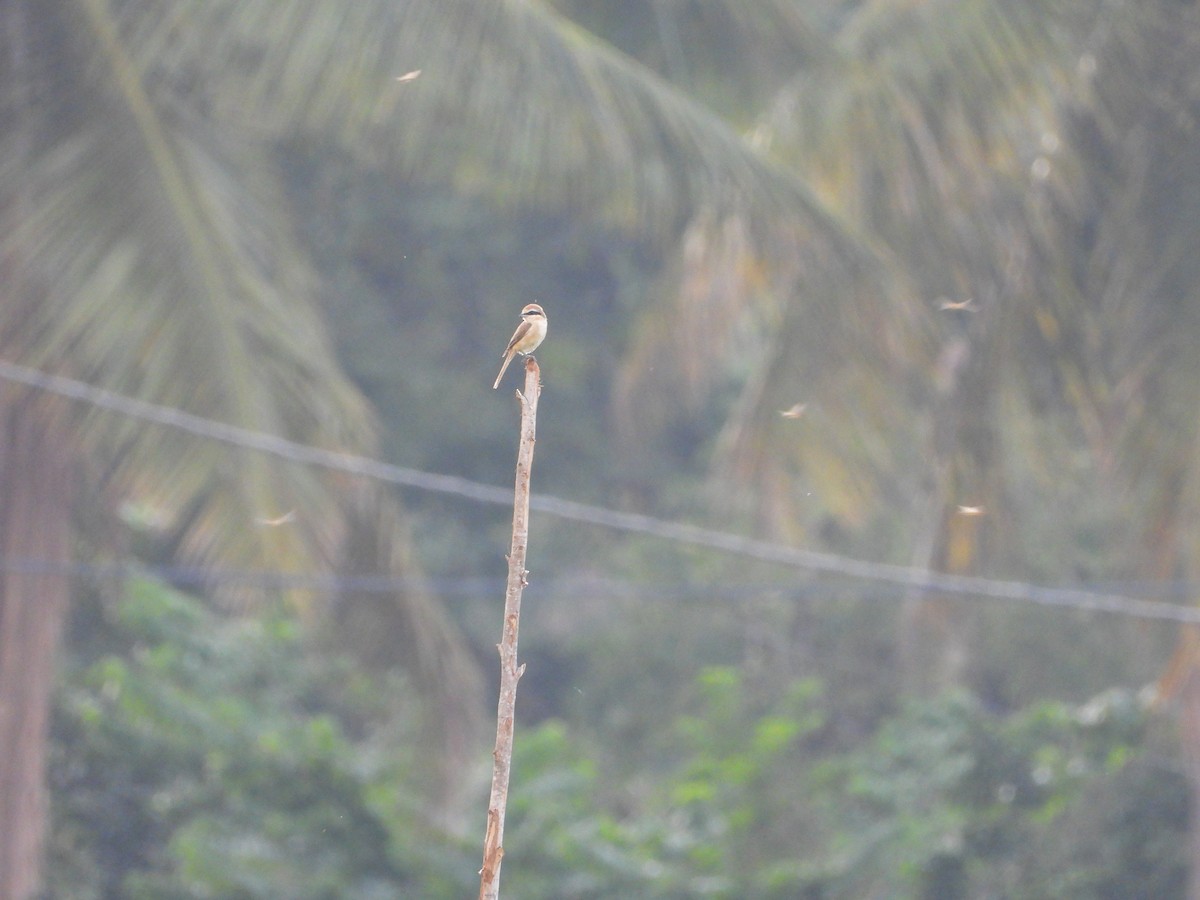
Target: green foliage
(220,757)
(949,800)
(202,756)
(720,819)
(738,790)
(945,800)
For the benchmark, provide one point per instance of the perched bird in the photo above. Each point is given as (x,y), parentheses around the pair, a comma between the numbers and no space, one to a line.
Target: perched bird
(530,333)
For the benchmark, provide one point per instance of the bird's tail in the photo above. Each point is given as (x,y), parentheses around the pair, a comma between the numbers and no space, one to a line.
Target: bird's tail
(508,357)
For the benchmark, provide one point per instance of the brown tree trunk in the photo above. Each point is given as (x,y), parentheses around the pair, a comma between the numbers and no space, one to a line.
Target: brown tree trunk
(35,528)
(1189,733)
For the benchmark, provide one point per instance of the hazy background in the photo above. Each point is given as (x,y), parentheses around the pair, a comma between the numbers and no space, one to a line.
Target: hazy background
(909,285)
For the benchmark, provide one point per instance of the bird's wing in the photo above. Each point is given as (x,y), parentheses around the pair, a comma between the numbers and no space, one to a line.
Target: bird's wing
(521,331)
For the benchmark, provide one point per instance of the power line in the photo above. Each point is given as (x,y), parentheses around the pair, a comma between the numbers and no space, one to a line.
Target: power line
(251,440)
(199,577)
(764,551)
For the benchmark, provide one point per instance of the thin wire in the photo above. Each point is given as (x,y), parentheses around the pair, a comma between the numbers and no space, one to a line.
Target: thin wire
(251,440)
(694,535)
(338,584)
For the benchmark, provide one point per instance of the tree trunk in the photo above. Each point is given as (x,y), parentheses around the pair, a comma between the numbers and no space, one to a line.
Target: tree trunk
(934,630)
(1189,733)
(35,526)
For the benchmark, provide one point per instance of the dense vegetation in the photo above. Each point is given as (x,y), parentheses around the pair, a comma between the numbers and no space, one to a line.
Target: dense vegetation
(955,237)
(201,756)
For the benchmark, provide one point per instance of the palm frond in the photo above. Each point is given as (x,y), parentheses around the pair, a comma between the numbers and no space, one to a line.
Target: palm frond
(926,105)
(153,270)
(921,130)
(730,56)
(511,99)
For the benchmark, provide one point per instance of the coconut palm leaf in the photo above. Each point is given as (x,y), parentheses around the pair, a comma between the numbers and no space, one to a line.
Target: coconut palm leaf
(730,56)
(147,252)
(511,98)
(156,266)
(921,130)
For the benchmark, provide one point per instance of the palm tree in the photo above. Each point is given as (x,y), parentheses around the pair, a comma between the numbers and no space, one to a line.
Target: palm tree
(145,254)
(918,127)
(144,245)
(949,111)
(1029,168)
(1026,158)
(145,249)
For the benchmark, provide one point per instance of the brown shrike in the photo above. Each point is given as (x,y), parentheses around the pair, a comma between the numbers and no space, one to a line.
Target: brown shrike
(530,333)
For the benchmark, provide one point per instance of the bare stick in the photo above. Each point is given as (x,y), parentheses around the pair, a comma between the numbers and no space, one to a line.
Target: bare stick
(510,672)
